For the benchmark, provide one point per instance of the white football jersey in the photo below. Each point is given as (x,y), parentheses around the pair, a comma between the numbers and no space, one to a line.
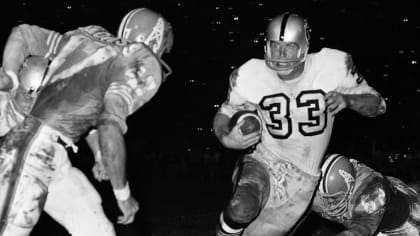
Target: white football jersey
(297,126)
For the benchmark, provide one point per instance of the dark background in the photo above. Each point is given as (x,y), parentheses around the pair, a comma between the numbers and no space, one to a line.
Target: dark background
(177,169)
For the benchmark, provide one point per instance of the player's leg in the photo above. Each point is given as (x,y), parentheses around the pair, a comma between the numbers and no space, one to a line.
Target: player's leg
(27,162)
(75,204)
(26,206)
(291,193)
(250,194)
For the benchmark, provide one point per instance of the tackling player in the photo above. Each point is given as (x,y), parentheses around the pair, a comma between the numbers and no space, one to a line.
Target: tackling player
(92,80)
(365,201)
(297,95)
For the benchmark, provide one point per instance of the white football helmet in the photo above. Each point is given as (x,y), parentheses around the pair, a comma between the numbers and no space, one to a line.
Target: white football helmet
(287,42)
(337,183)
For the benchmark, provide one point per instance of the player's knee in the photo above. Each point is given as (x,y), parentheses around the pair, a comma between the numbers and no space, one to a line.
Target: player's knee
(243,208)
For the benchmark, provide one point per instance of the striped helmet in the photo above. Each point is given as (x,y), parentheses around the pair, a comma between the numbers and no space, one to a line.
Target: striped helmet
(287,42)
(147,26)
(337,183)
(338,174)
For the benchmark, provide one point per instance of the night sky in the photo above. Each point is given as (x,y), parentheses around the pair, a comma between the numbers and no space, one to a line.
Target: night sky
(214,37)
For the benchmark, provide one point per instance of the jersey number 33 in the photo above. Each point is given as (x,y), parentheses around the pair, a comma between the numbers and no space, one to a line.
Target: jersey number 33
(310,117)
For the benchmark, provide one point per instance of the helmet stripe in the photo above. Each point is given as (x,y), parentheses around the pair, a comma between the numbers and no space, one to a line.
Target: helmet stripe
(125,21)
(283,26)
(331,160)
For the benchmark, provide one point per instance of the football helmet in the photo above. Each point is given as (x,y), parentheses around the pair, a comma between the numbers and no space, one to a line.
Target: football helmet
(149,27)
(287,42)
(337,183)
(32,73)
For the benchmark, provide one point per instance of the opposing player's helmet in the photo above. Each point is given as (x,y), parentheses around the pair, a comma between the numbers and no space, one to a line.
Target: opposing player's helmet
(337,183)
(287,42)
(32,73)
(147,26)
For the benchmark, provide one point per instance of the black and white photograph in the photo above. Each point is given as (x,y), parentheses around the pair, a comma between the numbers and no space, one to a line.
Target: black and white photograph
(209,118)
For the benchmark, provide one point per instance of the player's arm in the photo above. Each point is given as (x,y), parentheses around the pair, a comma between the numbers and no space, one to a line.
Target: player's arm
(98,169)
(366,104)
(364,225)
(111,128)
(232,138)
(111,143)
(25,40)
(135,78)
(353,91)
(370,205)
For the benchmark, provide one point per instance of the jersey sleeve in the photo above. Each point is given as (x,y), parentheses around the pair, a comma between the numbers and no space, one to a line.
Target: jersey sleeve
(350,80)
(25,40)
(235,101)
(135,77)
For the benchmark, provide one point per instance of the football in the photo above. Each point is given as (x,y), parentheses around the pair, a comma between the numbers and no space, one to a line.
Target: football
(252,122)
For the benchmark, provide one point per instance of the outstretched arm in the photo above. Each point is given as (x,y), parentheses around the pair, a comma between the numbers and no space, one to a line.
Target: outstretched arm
(112,146)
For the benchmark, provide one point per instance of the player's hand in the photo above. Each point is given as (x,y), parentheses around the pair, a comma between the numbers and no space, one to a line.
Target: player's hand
(129,208)
(236,140)
(99,172)
(335,102)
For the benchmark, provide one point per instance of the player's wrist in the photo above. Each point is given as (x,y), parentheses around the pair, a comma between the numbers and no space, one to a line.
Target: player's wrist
(122,194)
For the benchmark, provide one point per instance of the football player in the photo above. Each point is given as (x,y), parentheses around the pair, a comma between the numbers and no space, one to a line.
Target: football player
(297,94)
(364,201)
(92,79)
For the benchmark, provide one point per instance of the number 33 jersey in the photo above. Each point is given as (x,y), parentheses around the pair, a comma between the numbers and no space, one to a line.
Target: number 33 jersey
(297,126)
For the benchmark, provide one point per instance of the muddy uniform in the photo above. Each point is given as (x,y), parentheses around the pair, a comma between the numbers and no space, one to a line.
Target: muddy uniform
(376,204)
(92,77)
(275,183)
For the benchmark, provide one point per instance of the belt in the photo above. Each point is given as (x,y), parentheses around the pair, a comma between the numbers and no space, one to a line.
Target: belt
(66,145)
(62,143)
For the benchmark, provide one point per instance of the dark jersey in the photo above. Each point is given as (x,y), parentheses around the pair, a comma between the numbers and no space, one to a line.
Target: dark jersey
(375,204)
(92,77)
